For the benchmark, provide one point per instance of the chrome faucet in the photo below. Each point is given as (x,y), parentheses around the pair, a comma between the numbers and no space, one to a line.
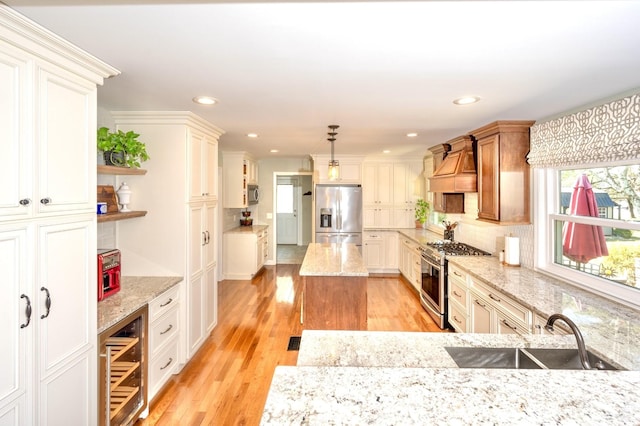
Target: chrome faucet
(582,350)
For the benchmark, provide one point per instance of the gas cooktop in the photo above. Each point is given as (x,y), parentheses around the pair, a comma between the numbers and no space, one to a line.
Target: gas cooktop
(453,248)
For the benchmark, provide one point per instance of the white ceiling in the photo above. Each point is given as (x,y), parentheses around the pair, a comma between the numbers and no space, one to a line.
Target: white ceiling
(286,70)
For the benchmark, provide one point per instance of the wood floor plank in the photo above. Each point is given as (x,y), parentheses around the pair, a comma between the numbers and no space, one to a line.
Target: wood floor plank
(227,381)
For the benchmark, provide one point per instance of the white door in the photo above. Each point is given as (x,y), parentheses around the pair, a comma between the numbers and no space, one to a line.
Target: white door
(287,210)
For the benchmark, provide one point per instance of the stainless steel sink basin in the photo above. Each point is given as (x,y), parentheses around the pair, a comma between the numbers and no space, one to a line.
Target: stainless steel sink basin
(466,357)
(523,358)
(568,359)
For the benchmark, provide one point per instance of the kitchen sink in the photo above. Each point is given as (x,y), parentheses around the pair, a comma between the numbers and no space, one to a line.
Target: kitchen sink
(466,357)
(568,359)
(523,358)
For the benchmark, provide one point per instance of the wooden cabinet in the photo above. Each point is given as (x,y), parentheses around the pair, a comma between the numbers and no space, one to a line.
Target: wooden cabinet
(164,342)
(503,173)
(239,171)
(244,252)
(48,370)
(380,251)
(185,213)
(445,202)
(350,169)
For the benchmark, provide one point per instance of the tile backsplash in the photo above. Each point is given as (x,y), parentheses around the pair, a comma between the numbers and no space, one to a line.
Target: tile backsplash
(488,236)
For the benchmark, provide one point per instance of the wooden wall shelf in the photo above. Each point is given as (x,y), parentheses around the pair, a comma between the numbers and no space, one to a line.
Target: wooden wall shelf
(113,170)
(111,217)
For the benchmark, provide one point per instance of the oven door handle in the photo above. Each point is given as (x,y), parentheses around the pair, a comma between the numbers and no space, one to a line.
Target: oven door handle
(431,263)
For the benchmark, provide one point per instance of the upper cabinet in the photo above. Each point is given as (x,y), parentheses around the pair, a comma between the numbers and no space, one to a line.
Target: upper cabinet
(239,170)
(503,172)
(41,139)
(203,155)
(350,169)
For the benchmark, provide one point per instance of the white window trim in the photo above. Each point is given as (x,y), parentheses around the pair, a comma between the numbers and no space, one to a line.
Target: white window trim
(546,192)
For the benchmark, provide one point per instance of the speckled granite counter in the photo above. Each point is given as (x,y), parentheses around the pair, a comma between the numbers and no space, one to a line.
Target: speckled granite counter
(253,229)
(450,396)
(333,260)
(134,293)
(350,377)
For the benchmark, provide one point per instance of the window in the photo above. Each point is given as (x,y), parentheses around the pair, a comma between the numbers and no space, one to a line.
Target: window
(589,225)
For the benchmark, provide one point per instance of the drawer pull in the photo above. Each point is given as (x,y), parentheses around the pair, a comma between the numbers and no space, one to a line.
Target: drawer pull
(455,293)
(494,298)
(455,318)
(508,325)
(167,364)
(480,304)
(456,273)
(27,311)
(167,330)
(166,303)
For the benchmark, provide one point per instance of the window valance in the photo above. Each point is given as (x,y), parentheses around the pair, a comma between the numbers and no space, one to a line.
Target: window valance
(606,133)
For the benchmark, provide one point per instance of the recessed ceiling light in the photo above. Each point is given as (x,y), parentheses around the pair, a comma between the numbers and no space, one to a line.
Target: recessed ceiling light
(386,151)
(205,100)
(412,135)
(466,100)
(252,135)
(274,151)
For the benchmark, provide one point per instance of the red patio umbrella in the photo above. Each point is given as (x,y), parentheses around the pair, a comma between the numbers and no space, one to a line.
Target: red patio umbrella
(580,242)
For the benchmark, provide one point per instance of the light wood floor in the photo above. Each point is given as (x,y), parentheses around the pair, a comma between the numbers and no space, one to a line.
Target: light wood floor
(227,381)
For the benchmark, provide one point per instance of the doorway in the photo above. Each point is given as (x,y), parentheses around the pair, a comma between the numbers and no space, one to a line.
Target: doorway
(293,204)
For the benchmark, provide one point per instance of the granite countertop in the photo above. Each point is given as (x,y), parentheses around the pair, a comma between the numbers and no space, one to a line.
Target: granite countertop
(134,293)
(330,259)
(253,229)
(351,377)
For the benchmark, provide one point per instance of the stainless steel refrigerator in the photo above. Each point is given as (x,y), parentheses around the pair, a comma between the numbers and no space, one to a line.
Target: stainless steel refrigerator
(339,214)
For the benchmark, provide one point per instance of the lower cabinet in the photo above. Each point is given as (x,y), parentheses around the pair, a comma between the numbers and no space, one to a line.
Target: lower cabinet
(411,262)
(477,308)
(380,251)
(244,252)
(164,338)
(493,312)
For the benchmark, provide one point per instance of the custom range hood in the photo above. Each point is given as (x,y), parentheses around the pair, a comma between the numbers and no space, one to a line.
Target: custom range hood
(457,173)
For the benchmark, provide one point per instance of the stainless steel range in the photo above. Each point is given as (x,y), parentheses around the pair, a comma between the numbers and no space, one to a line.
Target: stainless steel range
(434,292)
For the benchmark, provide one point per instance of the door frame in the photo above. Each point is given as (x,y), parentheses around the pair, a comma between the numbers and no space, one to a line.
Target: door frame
(275,206)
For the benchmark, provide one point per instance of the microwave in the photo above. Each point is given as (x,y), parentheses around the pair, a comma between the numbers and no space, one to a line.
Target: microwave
(253,194)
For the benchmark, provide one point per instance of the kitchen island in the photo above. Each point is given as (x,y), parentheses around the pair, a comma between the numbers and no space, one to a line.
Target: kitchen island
(348,377)
(335,288)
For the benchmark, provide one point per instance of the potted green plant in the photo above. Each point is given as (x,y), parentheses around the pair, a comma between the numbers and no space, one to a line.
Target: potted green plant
(121,149)
(422,210)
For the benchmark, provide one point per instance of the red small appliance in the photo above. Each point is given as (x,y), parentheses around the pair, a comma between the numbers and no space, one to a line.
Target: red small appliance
(108,272)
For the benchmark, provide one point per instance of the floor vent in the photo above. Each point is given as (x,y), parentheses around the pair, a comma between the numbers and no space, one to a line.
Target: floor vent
(294,343)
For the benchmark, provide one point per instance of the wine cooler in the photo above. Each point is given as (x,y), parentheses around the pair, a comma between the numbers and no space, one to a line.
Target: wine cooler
(123,370)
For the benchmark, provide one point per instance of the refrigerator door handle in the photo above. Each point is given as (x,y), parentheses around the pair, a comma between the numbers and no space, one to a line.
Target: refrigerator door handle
(339,210)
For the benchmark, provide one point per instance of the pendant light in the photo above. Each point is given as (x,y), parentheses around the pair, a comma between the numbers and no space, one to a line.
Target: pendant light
(334,166)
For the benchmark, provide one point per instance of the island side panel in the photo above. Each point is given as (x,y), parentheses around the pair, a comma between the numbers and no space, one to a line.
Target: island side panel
(335,303)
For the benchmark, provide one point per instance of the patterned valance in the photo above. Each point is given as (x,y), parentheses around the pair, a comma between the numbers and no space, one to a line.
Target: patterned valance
(609,132)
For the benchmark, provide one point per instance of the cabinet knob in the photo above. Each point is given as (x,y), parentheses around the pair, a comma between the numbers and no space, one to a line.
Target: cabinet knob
(45,201)
(25,201)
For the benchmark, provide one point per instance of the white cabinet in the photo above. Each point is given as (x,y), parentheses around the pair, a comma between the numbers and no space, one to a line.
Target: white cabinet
(494,312)
(239,171)
(244,252)
(390,189)
(411,263)
(458,299)
(48,321)
(186,212)
(380,251)
(164,342)
(203,165)
(350,169)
